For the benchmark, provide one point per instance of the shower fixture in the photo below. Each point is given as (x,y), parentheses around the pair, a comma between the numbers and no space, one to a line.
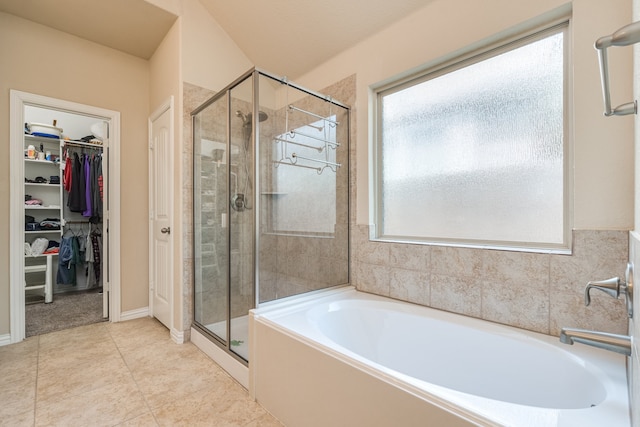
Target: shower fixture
(239,200)
(248,118)
(625,36)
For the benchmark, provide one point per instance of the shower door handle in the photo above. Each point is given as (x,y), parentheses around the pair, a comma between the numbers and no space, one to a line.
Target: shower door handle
(165,230)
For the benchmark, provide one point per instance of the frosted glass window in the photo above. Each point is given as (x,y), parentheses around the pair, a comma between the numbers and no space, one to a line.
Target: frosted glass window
(477,154)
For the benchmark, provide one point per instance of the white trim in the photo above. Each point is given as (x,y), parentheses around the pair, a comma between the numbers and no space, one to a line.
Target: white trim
(18,100)
(5,339)
(236,369)
(168,104)
(134,314)
(179,337)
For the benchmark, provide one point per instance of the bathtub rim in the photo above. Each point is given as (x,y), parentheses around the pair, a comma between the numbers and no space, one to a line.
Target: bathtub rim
(446,400)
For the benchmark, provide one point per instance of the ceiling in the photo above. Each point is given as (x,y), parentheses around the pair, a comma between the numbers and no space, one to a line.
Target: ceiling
(287,37)
(291,37)
(132,26)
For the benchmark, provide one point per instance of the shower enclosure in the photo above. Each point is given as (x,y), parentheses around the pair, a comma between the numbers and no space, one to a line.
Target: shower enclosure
(271,201)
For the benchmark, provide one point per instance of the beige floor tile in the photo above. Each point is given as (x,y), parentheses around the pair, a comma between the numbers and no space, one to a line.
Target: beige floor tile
(105,406)
(28,347)
(167,382)
(144,420)
(159,352)
(138,332)
(16,367)
(24,419)
(267,420)
(218,405)
(17,397)
(74,354)
(93,333)
(114,375)
(70,380)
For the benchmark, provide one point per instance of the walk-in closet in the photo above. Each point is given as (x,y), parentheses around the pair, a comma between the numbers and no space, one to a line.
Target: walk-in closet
(65,180)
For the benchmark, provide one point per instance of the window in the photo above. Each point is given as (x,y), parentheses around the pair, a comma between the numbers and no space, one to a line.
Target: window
(475,153)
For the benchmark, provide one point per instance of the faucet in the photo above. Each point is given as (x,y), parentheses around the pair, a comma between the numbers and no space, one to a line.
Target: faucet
(612,342)
(614,287)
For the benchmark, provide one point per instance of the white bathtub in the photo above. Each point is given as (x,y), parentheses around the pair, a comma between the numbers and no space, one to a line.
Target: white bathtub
(346,358)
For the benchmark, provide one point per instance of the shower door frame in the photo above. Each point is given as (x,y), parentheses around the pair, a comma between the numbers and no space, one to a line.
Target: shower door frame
(255,73)
(222,343)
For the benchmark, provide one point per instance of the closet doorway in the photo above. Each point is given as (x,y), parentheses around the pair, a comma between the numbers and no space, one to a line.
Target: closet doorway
(80,265)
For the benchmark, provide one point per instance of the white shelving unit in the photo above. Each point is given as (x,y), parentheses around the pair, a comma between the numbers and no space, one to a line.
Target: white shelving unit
(39,270)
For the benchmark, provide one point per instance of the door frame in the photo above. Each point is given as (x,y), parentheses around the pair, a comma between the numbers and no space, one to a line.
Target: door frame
(18,100)
(167,105)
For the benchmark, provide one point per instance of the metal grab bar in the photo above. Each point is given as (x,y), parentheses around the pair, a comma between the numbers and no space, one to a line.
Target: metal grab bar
(317,116)
(625,36)
(324,162)
(295,132)
(276,139)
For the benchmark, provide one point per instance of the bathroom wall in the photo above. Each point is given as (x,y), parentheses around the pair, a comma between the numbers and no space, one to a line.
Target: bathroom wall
(44,61)
(536,291)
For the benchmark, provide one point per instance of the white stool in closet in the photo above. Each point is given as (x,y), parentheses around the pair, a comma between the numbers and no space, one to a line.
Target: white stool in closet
(47,286)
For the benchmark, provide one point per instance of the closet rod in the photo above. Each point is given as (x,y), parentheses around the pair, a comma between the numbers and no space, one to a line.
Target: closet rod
(82,144)
(292,107)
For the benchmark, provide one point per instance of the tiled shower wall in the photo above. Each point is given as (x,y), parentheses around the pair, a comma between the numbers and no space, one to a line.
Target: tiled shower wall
(538,292)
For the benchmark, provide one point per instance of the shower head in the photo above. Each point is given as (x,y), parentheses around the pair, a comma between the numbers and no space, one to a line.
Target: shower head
(247,118)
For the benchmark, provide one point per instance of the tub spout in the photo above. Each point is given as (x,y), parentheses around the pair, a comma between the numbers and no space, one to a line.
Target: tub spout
(612,342)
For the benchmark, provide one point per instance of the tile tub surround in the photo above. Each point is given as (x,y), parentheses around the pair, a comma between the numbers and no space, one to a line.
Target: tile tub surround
(119,374)
(538,292)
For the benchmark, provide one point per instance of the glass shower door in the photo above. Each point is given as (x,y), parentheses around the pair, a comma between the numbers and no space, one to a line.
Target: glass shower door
(241,215)
(211,219)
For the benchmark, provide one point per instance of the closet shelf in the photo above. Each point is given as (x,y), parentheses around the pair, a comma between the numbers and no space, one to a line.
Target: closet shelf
(44,232)
(37,184)
(42,162)
(42,208)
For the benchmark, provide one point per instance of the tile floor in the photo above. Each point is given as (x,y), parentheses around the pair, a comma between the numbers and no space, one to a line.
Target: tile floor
(119,374)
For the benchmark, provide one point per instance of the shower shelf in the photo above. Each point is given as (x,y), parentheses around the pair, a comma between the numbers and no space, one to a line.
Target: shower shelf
(272,193)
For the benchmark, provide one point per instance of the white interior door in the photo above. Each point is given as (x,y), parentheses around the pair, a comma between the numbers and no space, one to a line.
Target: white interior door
(160,209)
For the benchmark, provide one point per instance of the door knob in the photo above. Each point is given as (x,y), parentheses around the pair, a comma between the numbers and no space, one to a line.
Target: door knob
(165,230)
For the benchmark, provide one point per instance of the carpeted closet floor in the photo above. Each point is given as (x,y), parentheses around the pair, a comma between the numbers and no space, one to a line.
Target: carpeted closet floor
(67,310)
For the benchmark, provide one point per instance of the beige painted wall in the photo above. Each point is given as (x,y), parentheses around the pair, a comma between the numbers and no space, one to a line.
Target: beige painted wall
(210,58)
(165,82)
(47,62)
(603,151)
(196,50)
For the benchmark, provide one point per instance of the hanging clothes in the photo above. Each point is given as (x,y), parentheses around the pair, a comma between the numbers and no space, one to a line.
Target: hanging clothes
(68,259)
(96,243)
(77,196)
(88,212)
(68,167)
(96,186)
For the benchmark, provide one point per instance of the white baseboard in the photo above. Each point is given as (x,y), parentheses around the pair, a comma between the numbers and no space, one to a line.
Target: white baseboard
(134,314)
(227,362)
(5,339)
(179,337)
